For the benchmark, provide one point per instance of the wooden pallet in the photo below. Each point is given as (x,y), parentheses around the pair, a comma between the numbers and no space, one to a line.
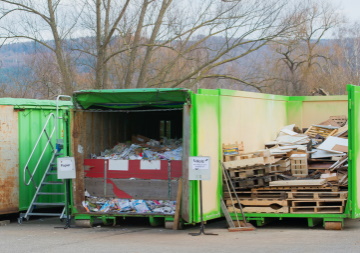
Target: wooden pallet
(317,209)
(249,172)
(258,202)
(276,168)
(258,195)
(231,152)
(244,163)
(240,194)
(284,164)
(269,194)
(260,209)
(317,202)
(253,182)
(341,120)
(322,131)
(298,188)
(249,183)
(298,165)
(317,195)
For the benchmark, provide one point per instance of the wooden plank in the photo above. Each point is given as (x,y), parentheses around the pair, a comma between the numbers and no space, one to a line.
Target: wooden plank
(260,209)
(314,202)
(340,119)
(317,195)
(340,148)
(298,182)
(186,201)
(341,131)
(269,194)
(259,202)
(298,188)
(248,172)
(324,209)
(178,205)
(78,134)
(273,168)
(319,130)
(244,163)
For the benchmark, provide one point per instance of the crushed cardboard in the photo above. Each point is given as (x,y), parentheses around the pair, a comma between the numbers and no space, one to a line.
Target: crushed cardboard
(114,205)
(144,149)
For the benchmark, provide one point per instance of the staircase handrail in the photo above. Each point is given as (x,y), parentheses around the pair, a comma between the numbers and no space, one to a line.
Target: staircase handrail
(49,137)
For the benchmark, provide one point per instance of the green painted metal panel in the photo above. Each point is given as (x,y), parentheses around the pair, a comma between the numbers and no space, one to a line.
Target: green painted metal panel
(354,150)
(205,142)
(31,123)
(32,103)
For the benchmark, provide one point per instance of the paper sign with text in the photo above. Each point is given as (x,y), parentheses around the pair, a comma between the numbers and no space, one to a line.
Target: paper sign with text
(199,168)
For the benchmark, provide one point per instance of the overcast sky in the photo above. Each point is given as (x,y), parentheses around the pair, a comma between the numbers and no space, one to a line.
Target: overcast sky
(350,8)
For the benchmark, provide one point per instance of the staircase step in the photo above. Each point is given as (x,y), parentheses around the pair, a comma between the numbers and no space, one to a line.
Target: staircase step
(51,173)
(53,183)
(44,214)
(50,193)
(48,204)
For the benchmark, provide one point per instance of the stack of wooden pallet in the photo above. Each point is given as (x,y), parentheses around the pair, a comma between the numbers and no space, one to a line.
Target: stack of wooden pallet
(311,164)
(317,202)
(302,197)
(252,173)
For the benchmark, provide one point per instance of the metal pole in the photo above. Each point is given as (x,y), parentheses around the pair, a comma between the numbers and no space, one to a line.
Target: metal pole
(202,225)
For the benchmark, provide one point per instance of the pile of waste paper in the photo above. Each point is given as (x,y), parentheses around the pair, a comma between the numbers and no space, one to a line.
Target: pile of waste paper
(114,205)
(143,148)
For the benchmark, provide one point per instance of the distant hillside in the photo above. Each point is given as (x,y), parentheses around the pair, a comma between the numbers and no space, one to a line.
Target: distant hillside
(13,57)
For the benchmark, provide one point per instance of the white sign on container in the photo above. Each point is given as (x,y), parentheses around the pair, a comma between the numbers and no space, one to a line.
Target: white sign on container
(199,168)
(121,165)
(150,165)
(66,168)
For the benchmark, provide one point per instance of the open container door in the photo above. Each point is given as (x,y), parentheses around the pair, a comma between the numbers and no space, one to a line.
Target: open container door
(205,142)
(354,150)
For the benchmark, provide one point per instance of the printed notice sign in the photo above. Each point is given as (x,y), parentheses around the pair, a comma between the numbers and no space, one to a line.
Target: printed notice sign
(66,168)
(199,168)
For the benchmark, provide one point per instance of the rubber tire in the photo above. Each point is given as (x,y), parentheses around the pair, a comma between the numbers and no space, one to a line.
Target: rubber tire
(333,225)
(83,223)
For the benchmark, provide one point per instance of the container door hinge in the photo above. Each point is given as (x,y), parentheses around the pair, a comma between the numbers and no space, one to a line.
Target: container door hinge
(350,104)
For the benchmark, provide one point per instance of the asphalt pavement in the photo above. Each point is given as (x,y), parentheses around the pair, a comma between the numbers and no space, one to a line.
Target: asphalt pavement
(136,235)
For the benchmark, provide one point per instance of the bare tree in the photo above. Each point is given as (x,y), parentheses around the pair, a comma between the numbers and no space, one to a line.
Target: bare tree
(348,41)
(46,22)
(198,38)
(161,43)
(301,55)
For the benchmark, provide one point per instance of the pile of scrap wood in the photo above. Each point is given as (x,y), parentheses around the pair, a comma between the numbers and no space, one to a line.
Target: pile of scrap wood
(298,172)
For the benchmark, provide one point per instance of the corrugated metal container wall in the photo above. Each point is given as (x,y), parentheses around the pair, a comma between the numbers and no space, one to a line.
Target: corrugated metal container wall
(28,123)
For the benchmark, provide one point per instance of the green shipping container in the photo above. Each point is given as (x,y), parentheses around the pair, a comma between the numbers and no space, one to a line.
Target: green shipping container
(21,123)
(204,120)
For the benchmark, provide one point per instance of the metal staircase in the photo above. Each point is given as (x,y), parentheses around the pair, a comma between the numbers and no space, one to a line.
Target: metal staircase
(45,188)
